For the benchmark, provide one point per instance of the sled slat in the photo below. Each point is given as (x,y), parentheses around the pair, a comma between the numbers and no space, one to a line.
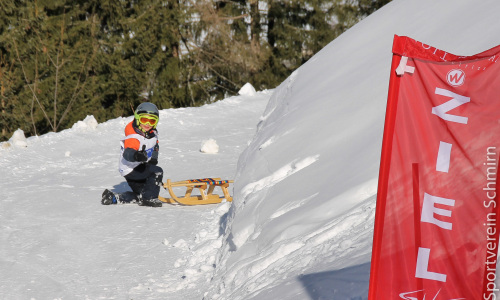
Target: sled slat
(205,197)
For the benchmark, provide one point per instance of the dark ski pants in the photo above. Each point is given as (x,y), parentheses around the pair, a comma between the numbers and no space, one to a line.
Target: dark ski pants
(145,181)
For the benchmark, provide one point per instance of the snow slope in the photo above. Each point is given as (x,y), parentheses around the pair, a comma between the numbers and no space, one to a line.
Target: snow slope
(301,223)
(58,242)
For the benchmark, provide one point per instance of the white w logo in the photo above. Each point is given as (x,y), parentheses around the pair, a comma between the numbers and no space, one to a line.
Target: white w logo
(455,77)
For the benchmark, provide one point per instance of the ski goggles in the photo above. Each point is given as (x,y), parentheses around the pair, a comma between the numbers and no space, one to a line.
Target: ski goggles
(151,119)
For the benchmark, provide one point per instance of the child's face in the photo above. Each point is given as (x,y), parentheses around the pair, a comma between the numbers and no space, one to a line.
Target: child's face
(146,127)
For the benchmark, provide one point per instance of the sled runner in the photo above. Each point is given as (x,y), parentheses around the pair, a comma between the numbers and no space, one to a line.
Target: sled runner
(206,187)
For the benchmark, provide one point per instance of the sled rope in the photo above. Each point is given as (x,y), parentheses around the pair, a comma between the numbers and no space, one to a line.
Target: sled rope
(209,180)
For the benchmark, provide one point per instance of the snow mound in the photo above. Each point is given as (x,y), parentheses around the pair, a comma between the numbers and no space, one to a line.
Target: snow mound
(209,146)
(247,90)
(89,123)
(305,190)
(18,139)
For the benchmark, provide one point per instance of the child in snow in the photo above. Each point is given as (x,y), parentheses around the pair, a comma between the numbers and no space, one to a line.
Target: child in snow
(139,159)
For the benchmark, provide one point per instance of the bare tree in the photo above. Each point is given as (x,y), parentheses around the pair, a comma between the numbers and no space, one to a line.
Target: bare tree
(59,61)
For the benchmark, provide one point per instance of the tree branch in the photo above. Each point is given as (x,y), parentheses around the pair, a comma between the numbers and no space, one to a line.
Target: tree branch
(29,86)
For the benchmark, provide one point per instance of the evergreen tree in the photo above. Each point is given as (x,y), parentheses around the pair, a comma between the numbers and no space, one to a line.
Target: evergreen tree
(260,42)
(63,59)
(9,120)
(51,52)
(113,81)
(153,49)
(350,12)
(223,41)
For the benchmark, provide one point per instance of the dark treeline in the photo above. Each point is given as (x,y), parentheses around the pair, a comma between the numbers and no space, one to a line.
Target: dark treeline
(61,60)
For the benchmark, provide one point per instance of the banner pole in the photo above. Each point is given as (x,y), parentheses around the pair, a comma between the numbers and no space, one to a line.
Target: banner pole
(385,161)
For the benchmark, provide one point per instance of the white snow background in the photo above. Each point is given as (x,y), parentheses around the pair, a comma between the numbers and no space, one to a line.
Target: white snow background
(304,157)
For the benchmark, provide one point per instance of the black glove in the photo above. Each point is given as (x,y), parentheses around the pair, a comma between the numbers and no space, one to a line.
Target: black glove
(154,156)
(141,155)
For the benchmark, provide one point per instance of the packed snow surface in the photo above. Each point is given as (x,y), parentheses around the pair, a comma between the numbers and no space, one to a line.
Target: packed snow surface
(304,157)
(58,242)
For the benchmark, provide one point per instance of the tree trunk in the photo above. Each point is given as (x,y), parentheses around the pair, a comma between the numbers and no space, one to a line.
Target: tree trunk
(255,23)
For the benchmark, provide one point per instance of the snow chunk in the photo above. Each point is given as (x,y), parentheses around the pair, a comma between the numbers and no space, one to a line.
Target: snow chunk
(247,90)
(209,146)
(240,237)
(222,209)
(181,244)
(88,123)
(18,139)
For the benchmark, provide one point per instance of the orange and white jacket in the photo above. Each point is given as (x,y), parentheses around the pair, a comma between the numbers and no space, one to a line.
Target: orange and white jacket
(136,139)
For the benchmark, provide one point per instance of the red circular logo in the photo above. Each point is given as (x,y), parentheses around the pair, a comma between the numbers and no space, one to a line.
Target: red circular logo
(455,77)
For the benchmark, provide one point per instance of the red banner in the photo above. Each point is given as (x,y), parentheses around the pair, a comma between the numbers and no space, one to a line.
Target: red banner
(436,224)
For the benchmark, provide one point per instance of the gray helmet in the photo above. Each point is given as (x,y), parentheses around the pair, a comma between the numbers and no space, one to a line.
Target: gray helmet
(146,108)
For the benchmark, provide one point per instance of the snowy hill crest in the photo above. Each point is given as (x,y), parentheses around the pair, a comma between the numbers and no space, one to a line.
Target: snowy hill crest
(307,233)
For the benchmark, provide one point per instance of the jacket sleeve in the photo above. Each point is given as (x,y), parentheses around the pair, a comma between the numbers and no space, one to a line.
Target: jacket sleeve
(131,145)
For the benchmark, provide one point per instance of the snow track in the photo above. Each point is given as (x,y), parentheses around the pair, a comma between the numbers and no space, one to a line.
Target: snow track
(58,242)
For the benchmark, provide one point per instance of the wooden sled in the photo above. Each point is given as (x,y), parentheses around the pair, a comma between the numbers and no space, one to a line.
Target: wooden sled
(206,187)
